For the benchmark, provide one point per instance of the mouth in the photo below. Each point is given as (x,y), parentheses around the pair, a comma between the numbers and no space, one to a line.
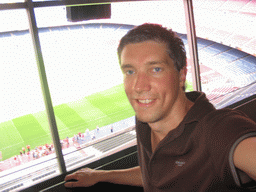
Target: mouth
(145,101)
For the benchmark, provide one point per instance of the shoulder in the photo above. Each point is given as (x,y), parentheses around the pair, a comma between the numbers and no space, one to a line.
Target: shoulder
(226,120)
(224,127)
(231,134)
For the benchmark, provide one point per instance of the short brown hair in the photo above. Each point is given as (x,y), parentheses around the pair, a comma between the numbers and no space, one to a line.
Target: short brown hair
(155,32)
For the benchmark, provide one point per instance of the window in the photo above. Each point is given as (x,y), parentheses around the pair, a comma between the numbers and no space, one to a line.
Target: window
(226,47)
(24,131)
(84,76)
(11,1)
(93,116)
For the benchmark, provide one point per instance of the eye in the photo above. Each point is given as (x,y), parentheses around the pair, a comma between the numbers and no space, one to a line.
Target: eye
(157,69)
(129,72)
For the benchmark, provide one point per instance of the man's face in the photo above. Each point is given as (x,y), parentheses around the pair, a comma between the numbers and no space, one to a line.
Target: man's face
(151,82)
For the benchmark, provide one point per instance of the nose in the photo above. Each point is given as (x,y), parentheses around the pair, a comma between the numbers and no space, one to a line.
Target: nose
(142,83)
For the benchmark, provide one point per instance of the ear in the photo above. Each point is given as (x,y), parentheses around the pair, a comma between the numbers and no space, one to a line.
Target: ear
(183,75)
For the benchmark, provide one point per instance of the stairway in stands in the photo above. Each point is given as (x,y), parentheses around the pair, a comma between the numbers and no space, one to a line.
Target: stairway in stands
(72,159)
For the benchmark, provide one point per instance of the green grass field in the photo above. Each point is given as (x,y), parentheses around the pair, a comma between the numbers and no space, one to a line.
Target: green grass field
(100,109)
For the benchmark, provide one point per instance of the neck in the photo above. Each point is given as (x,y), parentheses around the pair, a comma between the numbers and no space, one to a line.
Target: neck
(161,128)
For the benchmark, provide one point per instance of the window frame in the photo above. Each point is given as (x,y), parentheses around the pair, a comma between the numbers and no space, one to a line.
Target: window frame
(29,5)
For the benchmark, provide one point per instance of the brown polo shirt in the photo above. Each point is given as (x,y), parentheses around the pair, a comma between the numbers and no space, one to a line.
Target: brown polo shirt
(195,156)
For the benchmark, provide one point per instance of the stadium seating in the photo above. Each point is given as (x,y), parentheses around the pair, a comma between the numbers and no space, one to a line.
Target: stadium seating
(243,16)
(111,143)
(214,4)
(220,64)
(250,7)
(234,5)
(235,97)
(238,40)
(217,59)
(220,34)
(71,159)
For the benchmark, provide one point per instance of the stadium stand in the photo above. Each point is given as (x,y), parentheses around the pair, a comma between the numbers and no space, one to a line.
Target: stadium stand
(234,5)
(202,43)
(214,4)
(250,7)
(221,35)
(216,59)
(111,143)
(226,69)
(250,46)
(238,40)
(235,96)
(72,159)
(243,15)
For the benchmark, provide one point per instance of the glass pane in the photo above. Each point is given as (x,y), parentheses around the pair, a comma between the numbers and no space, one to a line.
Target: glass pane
(17,22)
(44,0)
(25,141)
(84,77)
(227,51)
(11,1)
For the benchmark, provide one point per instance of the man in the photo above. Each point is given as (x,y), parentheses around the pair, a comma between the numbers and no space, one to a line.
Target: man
(184,143)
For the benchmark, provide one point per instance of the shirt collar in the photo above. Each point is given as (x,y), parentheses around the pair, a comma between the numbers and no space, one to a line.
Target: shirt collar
(201,107)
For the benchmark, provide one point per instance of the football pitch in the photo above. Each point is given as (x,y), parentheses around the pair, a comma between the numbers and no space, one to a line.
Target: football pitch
(99,109)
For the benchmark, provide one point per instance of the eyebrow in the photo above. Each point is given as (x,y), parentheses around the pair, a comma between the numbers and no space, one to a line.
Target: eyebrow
(126,66)
(149,63)
(156,62)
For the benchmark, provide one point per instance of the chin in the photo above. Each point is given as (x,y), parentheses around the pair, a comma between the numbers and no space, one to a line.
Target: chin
(147,119)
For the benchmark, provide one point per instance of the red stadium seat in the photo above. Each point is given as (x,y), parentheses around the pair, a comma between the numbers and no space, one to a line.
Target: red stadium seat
(234,5)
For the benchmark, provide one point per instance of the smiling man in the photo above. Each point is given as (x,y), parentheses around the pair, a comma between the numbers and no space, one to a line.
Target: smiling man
(184,143)
(154,87)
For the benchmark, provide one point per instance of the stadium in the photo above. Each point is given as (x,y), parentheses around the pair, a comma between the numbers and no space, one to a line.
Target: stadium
(85,79)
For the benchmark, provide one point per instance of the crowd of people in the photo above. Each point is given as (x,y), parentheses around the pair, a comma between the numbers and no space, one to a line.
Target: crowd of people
(29,153)
(36,153)
(46,149)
